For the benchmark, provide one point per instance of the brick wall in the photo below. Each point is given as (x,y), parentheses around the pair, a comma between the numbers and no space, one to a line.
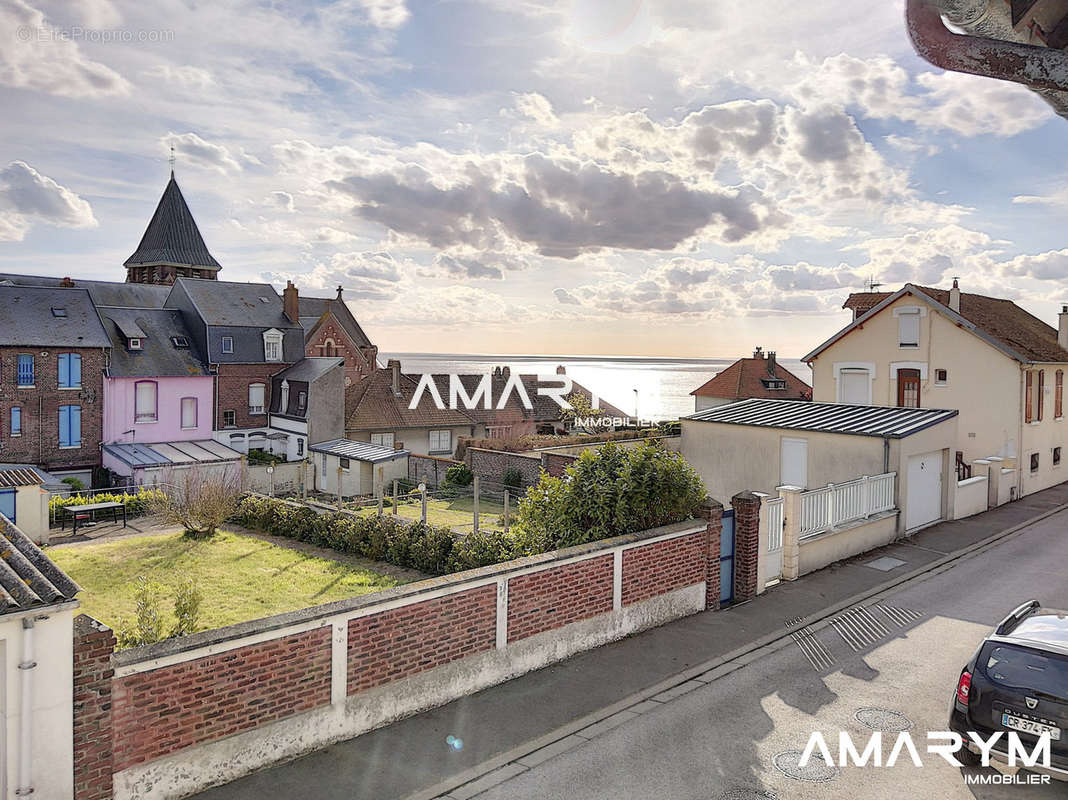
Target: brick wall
(490,465)
(357,364)
(400,642)
(556,463)
(39,442)
(662,567)
(552,598)
(93,645)
(746,545)
(232,385)
(168,709)
(711,512)
(429,467)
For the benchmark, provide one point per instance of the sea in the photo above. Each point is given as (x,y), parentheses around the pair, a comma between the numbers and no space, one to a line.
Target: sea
(643,387)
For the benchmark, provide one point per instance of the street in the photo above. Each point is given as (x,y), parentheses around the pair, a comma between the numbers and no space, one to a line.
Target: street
(902,653)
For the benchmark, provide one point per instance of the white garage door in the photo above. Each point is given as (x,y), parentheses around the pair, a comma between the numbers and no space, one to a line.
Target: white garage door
(924,501)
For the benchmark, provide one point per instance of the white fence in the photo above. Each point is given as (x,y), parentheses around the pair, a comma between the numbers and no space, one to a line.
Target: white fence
(837,504)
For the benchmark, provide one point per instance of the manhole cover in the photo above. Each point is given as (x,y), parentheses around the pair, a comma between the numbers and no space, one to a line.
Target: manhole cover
(815,771)
(881,719)
(746,794)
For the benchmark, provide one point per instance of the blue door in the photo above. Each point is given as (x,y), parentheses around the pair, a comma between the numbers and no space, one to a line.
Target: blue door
(726,558)
(7,504)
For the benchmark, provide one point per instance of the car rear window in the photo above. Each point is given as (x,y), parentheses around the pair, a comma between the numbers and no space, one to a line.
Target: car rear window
(1022,668)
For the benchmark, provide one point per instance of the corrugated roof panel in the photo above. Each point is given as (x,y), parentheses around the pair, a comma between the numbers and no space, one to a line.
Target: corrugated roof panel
(881,421)
(358,451)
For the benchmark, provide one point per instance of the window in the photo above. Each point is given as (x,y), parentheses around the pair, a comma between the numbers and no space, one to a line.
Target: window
(134,343)
(1058,394)
(229,419)
(1029,395)
(1056,456)
(302,400)
(145,409)
(908,321)
(180,342)
(384,439)
(1041,393)
(58,311)
(344,463)
(300,448)
(189,412)
(941,377)
(256,394)
(322,460)
(70,426)
(16,421)
(70,371)
(26,376)
(272,345)
(283,401)
(441,441)
(1034,462)
(228,344)
(908,388)
(854,386)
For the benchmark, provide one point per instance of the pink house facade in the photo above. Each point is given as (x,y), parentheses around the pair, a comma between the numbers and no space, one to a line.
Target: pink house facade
(170,409)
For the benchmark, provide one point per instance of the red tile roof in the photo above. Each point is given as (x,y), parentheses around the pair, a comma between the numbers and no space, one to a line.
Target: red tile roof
(745,379)
(1000,319)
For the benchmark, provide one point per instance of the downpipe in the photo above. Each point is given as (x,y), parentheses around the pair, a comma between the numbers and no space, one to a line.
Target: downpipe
(26,668)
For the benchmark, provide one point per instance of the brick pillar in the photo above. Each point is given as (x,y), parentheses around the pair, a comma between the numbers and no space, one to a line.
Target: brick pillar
(93,645)
(746,545)
(712,512)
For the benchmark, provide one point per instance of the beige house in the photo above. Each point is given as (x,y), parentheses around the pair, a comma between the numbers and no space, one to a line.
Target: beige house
(934,348)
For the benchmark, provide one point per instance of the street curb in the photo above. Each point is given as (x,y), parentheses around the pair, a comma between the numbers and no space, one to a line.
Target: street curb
(694,673)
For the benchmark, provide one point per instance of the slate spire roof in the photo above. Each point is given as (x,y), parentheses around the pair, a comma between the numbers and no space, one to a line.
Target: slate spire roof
(172,236)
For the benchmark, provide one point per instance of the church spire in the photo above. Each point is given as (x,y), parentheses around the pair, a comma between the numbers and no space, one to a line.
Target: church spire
(172,246)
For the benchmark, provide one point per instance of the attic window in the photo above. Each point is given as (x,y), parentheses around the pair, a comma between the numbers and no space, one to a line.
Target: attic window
(133,343)
(774,383)
(180,341)
(59,311)
(264,300)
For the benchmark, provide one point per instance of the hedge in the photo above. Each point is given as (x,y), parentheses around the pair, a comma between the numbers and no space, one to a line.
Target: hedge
(432,549)
(136,502)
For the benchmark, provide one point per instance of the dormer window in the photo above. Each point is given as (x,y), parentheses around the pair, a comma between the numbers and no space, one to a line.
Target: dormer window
(228,344)
(134,343)
(272,345)
(180,342)
(773,383)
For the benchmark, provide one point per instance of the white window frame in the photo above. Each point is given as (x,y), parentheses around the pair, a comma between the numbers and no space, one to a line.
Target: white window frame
(181,413)
(849,366)
(140,418)
(262,407)
(227,344)
(283,400)
(384,439)
(447,433)
(272,345)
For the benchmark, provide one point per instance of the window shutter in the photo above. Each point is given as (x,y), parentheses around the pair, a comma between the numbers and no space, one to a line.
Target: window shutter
(854,386)
(1058,395)
(909,329)
(76,426)
(1041,393)
(64,426)
(63,370)
(75,370)
(1028,396)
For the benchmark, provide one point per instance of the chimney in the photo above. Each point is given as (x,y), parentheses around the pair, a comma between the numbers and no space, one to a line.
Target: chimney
(771,363)
(758,352)
(66,283)
(1062,328)
(291,303)
(561,370)
(394,367)
(506,371)
(954,297)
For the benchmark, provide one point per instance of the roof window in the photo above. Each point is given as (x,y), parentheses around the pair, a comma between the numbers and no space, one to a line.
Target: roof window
(180,341)
(59,311)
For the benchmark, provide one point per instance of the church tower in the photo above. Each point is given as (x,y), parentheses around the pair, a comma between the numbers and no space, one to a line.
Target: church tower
(172,246)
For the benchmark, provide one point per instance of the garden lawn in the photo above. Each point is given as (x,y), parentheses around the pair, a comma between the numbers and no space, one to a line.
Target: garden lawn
(240,577)
(456,513)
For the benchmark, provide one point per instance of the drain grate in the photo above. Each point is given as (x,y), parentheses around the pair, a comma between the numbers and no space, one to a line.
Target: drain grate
(815,771)
(746,794)
(882,719)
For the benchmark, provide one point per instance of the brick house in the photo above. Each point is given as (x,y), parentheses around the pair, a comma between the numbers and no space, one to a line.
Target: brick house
(760,376)
(53,353)
(331,330)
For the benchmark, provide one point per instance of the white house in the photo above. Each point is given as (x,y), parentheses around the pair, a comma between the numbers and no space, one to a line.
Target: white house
(360,467)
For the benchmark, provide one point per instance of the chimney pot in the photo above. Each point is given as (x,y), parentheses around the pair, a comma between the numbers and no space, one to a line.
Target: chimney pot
(561,370)
(954,296)
(771,363)
(758,352)
(291,303)
(1062,328)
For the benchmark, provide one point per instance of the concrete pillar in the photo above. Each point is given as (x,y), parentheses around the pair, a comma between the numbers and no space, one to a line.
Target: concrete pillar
(993,481)
(791,531)
(746,507)
(711,511)
(762,543)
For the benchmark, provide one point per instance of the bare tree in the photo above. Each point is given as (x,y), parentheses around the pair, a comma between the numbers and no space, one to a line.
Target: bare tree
(200,498)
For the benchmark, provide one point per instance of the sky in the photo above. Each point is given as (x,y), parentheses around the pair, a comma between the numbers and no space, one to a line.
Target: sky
(616,177)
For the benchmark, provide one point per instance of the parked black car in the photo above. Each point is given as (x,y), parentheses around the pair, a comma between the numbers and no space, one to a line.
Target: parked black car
(1018,681)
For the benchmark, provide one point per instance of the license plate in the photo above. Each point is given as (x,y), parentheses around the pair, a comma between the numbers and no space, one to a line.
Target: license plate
(1028,726)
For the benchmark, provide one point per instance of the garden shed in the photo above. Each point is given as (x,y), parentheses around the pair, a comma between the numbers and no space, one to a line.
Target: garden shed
(360,467)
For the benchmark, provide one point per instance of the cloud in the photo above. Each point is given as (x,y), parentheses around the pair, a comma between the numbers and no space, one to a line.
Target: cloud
(283,200)
(185,75)
(565,297)
(1049,266)
(537,108)
(389,14)
(191,149)
(38,57)
(27,195)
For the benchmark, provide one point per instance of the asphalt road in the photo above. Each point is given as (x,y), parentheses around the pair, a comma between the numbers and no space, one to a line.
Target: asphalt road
(720,740)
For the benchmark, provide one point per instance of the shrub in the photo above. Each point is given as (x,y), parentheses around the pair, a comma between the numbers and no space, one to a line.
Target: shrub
(512,478)
(137,502)
(199,499)
(480,550)
(607,492)
(186,609)
(147,626)
(430,547)
(259,457)
(74,483)
(458,475)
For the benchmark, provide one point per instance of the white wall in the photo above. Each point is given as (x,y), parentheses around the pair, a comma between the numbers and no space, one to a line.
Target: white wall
(52,741)
(31,512)
(971,497)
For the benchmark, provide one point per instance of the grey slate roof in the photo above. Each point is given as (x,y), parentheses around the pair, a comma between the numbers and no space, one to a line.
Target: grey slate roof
(313,308)
(164,454)
(227,303)
(881,421)
(104,293)
(309,368)
(26,318)
(172,236)
(358,451)
(159,357)
(28,578)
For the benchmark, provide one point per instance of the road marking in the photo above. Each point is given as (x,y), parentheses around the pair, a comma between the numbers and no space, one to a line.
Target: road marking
(899,616)
(859,628)
(818,656)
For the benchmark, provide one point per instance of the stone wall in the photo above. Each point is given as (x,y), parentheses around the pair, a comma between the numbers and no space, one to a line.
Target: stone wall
(431,468)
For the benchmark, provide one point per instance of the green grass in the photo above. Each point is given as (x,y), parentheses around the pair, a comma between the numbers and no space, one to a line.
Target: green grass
(455,513)
(240,577)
